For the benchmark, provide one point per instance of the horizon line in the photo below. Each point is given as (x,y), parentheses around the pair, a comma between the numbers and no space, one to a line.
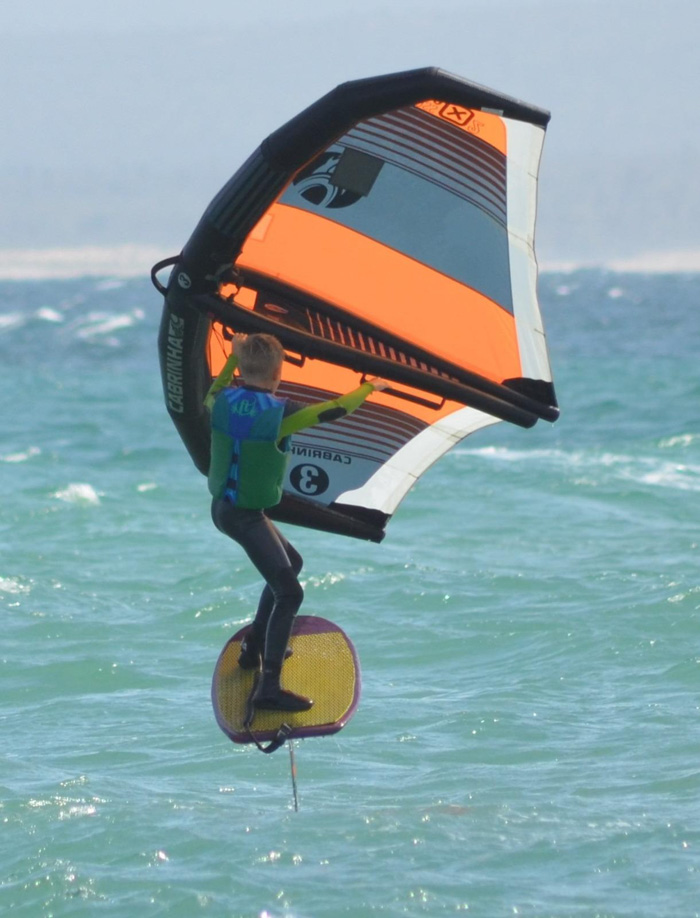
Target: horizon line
(133,260)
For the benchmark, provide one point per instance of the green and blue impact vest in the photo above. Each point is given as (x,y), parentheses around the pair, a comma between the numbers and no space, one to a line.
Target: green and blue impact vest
(248,458)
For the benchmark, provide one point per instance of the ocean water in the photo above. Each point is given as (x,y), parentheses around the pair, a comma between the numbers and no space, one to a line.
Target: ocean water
(527,740)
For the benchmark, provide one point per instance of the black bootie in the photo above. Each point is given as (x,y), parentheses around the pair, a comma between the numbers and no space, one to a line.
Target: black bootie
(270,696)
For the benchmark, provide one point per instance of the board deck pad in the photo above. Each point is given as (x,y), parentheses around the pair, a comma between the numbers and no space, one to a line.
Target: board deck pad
(323,666)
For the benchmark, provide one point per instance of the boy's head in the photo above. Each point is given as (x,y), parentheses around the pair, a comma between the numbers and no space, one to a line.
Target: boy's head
(260,358)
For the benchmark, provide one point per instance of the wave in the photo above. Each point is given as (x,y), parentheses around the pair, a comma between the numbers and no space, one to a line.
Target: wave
(78,493)
(22,456)
(591,468)
(60,326)
(13,585)
(86,261)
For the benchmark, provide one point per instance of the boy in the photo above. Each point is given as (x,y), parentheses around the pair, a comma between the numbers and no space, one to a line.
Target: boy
(251,429)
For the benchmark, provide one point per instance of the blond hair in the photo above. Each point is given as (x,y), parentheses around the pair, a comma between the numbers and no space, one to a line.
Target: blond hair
(260,356)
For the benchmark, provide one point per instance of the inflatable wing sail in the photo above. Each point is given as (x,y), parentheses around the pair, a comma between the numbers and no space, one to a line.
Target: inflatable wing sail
(387,230)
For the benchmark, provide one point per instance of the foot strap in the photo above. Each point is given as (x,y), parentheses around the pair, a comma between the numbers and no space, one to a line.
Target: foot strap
(282,734)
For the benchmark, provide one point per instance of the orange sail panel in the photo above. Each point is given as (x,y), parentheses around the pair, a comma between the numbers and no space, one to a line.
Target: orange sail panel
(371,281)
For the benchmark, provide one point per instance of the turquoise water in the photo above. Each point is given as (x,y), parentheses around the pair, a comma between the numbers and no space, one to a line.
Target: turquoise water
(527,738)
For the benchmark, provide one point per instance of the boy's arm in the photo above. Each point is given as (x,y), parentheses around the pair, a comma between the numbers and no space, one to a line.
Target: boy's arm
(221,381)
(325,411)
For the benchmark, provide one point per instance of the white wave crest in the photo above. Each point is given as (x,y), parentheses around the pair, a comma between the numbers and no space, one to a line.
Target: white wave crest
(682,440)
(13,586)
(11,320)
(47,314)
(672,475)
(99,324)
(588,467)
(78,493)
(21,457)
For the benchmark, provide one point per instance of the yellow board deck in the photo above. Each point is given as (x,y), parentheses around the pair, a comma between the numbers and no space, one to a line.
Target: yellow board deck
(323,666)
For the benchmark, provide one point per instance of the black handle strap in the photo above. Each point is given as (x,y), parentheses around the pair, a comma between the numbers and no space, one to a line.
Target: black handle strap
(166,262)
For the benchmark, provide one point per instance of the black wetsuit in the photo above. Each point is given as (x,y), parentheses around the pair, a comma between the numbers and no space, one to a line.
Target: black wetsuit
(278,563)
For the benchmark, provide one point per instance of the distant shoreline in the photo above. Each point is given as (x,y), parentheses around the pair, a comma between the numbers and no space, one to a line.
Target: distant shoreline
(125,261)
(679,262)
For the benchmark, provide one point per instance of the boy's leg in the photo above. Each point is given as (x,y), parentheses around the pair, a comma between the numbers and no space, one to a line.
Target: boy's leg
(278,562)
(267,598)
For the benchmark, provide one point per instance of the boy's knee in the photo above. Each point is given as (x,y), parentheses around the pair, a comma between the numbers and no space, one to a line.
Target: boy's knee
(287,587)
(296,560)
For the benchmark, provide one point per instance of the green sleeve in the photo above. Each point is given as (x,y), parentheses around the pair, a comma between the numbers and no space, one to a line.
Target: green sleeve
(337,408)
(221,381)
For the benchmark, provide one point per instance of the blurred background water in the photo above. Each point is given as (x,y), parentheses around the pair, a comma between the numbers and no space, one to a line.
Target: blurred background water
(527,739)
